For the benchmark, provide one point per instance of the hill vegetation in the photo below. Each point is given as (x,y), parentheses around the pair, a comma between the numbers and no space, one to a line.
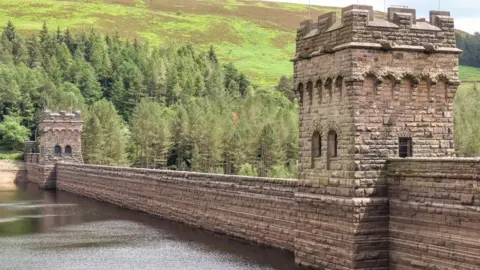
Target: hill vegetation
(148,106)
(469,74)
(259,37)
(148,102)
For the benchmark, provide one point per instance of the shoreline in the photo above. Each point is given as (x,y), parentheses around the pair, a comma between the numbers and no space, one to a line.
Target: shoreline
(9,170)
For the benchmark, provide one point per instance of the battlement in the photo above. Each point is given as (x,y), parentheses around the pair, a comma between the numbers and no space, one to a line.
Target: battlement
(60,116)
(358,28)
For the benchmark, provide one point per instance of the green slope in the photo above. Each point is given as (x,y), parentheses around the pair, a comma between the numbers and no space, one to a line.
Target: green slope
(258,36)
(469,73)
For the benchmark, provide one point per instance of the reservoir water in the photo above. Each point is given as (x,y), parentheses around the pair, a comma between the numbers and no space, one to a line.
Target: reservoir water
(56,230)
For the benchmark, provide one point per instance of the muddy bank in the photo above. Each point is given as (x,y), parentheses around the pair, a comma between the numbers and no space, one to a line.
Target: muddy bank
(9,172)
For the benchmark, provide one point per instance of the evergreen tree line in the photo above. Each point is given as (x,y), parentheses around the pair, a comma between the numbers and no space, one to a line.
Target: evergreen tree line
(470,44)
(148,106)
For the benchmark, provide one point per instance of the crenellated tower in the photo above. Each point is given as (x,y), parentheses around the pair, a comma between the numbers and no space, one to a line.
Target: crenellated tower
(371,89)
(60,137)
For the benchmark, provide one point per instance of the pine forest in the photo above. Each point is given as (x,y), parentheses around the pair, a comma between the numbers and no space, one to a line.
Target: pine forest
(147,106)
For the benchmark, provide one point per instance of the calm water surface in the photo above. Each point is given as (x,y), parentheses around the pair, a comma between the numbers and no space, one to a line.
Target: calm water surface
(56,230)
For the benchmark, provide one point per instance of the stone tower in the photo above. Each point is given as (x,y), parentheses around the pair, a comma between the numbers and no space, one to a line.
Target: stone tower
(370,89)
(60,137)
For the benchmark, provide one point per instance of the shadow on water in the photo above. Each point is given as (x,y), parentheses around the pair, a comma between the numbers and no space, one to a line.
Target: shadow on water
(51,222)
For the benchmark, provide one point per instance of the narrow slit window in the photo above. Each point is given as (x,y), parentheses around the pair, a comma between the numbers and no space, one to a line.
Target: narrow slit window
(300,93)
(442,90)
(319,90)
(316,147)
(404,147)
(310,92)
(339,86)
(332,144)
(319,146)
(328,86)
(369,86)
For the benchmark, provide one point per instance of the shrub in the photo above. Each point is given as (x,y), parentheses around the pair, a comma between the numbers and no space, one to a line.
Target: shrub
(248,170)
(12,134)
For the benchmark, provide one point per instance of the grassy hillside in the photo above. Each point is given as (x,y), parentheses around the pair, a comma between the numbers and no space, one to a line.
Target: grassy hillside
(257,36)
(469,73)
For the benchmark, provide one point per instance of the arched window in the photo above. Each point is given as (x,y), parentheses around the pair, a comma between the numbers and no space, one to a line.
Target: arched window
(339,86)
(319,91)
(423,91)
(300,93)
(310,92)
(328,86)
(68,150)
(442,90)
(332,144)
(316,147)
(58,150)
(388,89)
(406,89)
(369,87)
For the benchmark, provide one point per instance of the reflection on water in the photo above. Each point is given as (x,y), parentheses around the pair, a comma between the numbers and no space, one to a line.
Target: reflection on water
(56,230)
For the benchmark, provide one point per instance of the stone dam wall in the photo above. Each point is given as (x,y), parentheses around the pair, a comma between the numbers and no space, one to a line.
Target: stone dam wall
(287,214)
(432,211)
(38,173)
(256,209)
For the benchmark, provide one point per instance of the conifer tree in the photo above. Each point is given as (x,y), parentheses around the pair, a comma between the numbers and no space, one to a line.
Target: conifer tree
(92,140)
(64,59)
(69,41)
(151,131)
(34,58)
(18,50)
(109,135)
(59,36)
(10,94)
(212,56)
(181,141)
(285,86)
(10,31)
(6,50)
(43,35)
(199,115)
